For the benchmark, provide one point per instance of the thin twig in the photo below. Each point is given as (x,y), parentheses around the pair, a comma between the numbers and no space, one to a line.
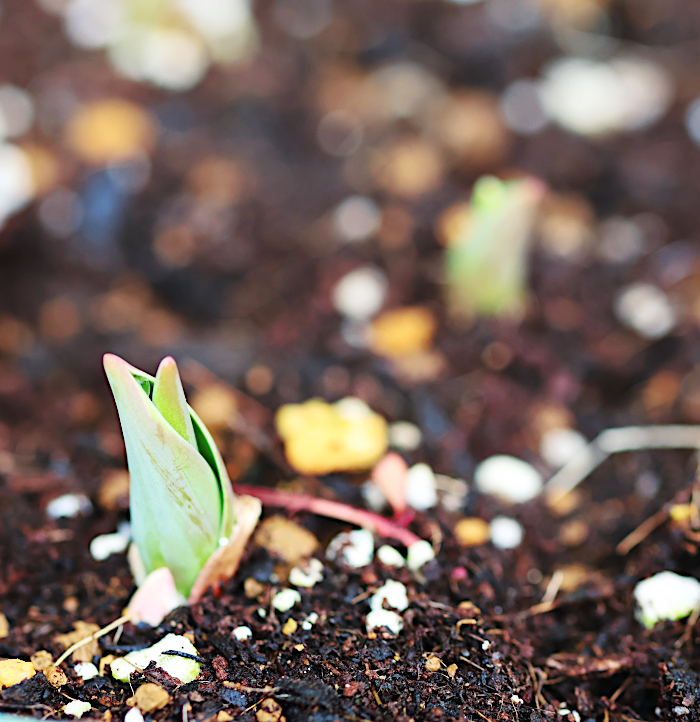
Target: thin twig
(245,688)
(689,625)
(331,509)
(648,525)
(550,593)
(473,664)
(613,441)
(99,633)
(620,690)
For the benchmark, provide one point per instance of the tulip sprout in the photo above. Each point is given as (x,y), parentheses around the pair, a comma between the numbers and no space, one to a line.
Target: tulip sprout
(181,499)
(486,258)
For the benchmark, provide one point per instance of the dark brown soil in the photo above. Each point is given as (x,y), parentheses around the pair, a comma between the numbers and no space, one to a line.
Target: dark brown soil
(256,291)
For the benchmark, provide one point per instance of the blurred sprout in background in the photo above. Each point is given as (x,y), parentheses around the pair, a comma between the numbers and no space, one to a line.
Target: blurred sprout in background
(169,43)
(486,258)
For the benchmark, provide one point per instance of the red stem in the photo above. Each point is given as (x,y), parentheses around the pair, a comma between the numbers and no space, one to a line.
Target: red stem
(331,509)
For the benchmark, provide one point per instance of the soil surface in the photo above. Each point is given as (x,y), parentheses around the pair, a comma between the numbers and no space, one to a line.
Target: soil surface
(234,277)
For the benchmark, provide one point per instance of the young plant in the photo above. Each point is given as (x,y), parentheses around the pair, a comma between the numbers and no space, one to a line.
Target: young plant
(181,500)
(486,257)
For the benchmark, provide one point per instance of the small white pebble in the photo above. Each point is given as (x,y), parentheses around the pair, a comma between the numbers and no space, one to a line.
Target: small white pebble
(407,87)
(242,633)
(284,600)
(419,553)
(17,185)
(309,622)
(356,218)
(485,644)
(506,533)
(421,487)
(647,485)
(666,595)
(405,436)
(393,593)
(521,108)
(16,111)
(593,98)
(692,120)
(621,240)
(133,715)
(76,708)
(360,294)
(534,576)
(515,699)
(354,333)
(510,479)
(564,710)
(86,670)
(186,670)
(61,212)
(559,446)
(373,496)
(340,133)
(646,309)
(105,545)
(384,618)
(390,556)
(576,715)
(351,408)
(308,576)
(356,548)
(453,492)
(68,506)
(262,612)
(680,710)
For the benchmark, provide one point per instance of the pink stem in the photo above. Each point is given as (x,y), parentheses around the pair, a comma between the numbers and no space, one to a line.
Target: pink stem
(331,509)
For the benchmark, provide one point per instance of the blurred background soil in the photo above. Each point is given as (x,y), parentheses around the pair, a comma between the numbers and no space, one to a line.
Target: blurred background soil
(197,179)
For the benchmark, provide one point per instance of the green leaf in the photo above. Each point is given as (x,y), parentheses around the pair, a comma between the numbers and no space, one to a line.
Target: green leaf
(181,498)
(169,398)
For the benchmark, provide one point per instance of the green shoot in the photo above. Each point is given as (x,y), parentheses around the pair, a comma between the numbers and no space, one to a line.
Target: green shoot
(486,257)
(181,499)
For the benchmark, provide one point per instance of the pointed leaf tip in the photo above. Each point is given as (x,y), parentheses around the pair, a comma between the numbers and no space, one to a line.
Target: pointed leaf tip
(169,399)
(110,362)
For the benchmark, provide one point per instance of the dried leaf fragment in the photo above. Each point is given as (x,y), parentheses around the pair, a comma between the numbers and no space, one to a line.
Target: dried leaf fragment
(270,711)
(55,676)
(41,660)
(14,671)
(82,631)
(114,490)
(149,697)
(433,663)
(253,588)
(223,563)
(284,538)
(471,531)
(320,438)
(290,626)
